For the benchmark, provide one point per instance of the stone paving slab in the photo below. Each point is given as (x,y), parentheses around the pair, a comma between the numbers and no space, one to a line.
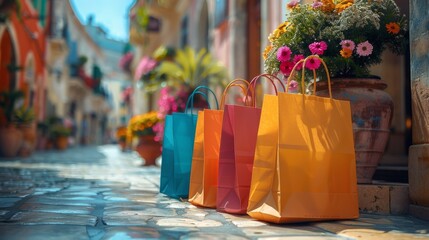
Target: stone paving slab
(43,232)
(103,193)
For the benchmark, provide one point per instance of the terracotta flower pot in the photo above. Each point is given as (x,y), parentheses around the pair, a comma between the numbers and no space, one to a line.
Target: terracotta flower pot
(61,142)
(372,111)
(28,139)
(10,141)
(148,149)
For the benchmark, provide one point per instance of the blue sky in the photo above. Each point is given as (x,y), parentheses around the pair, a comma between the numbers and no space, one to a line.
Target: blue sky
(112,15)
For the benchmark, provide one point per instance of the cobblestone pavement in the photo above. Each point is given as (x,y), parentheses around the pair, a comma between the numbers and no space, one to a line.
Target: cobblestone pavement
(102,193)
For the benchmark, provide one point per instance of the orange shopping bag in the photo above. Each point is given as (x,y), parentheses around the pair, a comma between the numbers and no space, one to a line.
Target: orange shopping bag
(205,158)
(237,148)
(304,166)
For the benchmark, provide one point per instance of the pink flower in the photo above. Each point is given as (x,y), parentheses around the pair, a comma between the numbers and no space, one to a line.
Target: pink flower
(292,4)
(318,47)
(296,59)
(145,65)
(286,67)
(349,44)
(283,54)
(364,48)
(317,4)
(293,86)
(312,63)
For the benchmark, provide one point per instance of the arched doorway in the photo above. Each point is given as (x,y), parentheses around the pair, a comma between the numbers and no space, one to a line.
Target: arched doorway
(8,65)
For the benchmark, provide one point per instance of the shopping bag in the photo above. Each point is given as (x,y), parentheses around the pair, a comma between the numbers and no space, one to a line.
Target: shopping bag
(205,158)
(237,147)
(304,166)
(178,143)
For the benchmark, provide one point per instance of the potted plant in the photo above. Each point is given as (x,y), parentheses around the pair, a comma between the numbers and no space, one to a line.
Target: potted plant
(144,127)
(10,136)
(58,134)
(121,136)
(23,118)
(176,72)
(349,36)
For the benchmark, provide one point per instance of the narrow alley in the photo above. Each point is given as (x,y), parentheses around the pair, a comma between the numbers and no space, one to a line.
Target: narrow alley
(103,193)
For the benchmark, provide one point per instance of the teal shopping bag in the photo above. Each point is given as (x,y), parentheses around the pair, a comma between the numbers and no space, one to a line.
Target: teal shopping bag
(177,149)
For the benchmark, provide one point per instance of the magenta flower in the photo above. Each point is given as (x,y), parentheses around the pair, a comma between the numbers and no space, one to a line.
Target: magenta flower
(318,47)
(296,59)
(364,49)
(312,63)
(286,67)
(349,44)
(283,54)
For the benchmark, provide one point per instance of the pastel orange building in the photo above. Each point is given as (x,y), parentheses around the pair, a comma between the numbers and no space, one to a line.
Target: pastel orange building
(22,63)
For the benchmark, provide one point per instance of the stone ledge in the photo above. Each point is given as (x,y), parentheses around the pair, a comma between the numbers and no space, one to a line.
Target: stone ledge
(384,198)
(419,212)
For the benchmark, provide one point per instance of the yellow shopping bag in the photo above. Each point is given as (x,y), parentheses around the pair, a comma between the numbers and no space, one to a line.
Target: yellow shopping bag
(304,167)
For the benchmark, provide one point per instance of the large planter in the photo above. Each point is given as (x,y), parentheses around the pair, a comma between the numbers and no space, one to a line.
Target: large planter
(372,111)
(10,141)
(28,139)
(148,149)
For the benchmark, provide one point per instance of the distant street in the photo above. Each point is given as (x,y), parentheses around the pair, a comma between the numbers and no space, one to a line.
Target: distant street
(102,193)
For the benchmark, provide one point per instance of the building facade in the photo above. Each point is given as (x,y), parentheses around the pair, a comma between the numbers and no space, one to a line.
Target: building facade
(22,61)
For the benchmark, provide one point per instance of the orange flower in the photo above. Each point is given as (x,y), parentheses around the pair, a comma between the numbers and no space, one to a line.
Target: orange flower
(142,124)
(267,50)
(346,53)
(393,28)
(343,5)
(328,6)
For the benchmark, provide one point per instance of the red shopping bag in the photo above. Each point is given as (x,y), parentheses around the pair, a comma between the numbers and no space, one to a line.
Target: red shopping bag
(205,158)
(237,147)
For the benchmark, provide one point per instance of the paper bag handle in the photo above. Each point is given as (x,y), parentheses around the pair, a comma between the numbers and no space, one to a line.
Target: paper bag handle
(270,77)
(197,91)
(303,61)
(235,83)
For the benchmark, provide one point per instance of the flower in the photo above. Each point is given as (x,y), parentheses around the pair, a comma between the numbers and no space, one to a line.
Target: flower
(121,133)
(312,63)
(393,28)
(318,47)
(349,44)
(142,124)
(349,35)
(346,52)
(171,99)
(283,54)
(364,49)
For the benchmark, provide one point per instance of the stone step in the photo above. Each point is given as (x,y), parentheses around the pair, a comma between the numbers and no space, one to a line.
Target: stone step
(384,198)
(398,174)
